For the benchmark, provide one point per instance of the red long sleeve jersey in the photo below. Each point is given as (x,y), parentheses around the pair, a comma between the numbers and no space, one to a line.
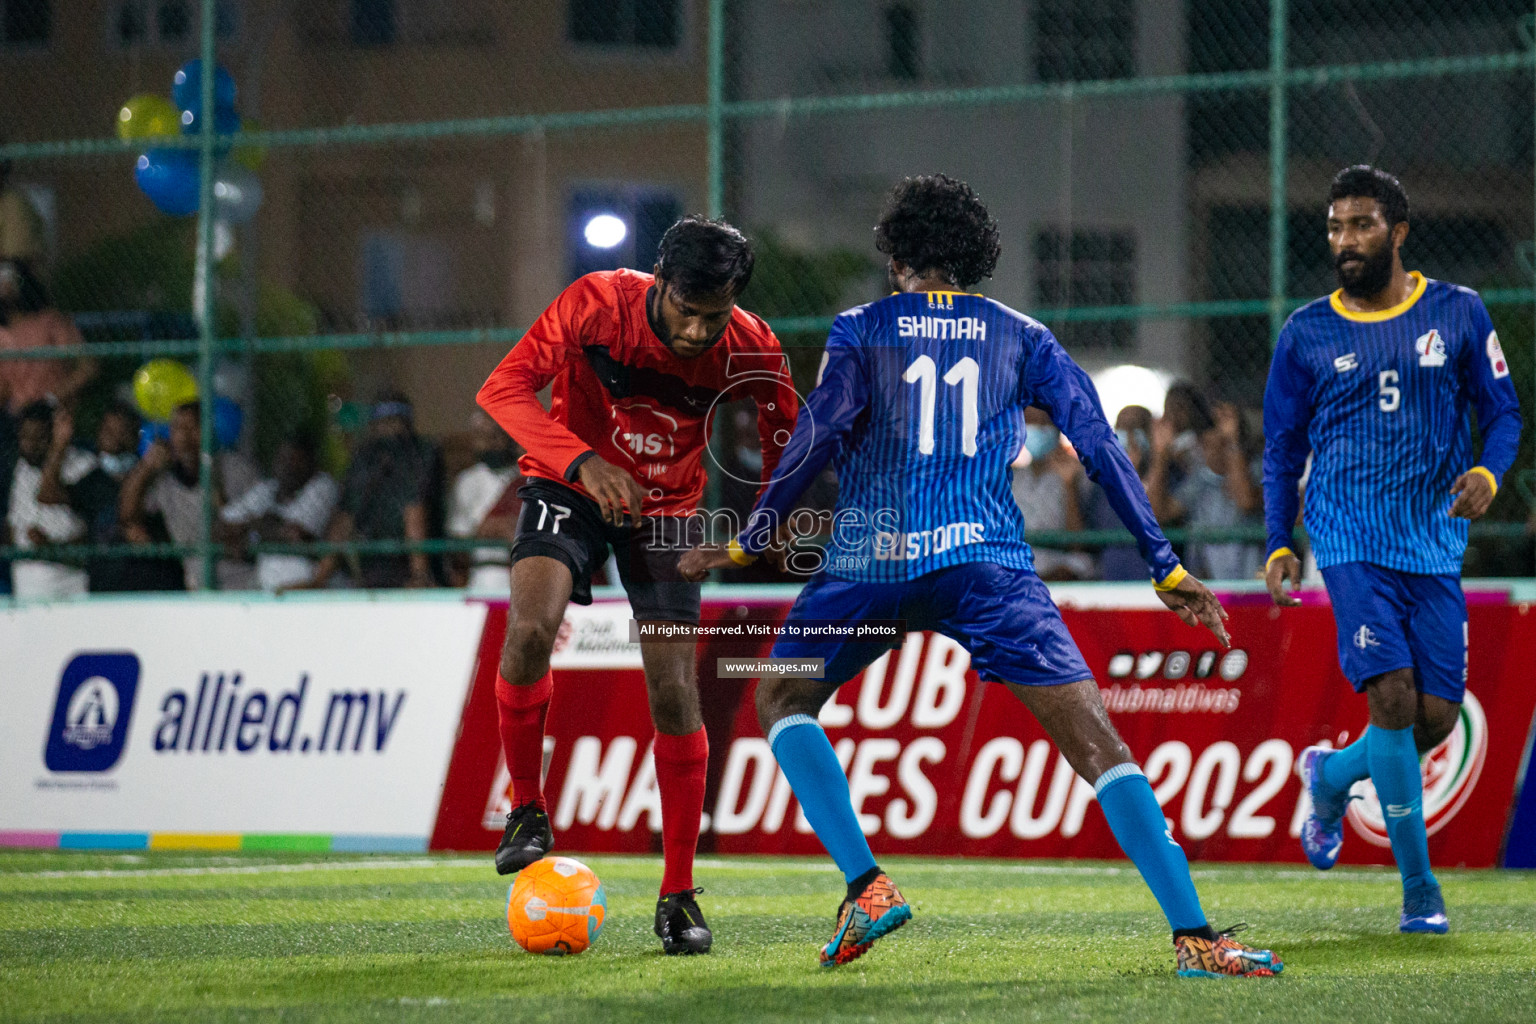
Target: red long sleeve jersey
(620,392)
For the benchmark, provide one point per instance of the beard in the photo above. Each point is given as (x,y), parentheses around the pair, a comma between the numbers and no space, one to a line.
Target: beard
(1367,278)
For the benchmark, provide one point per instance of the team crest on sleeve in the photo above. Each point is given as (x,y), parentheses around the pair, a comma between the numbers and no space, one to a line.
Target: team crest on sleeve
(1431,348)
(1496,356)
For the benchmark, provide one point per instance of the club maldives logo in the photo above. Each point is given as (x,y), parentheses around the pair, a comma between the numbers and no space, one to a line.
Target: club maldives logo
(1450,772)
(92,712)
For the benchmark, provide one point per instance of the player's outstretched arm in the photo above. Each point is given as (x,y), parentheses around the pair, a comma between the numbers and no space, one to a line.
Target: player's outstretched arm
(1193,602)
(1283,568)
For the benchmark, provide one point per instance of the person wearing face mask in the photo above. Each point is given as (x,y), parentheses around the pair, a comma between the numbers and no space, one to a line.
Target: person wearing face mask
(479,506)
(293,506)
(165,485)
(1048,486)
(95,499)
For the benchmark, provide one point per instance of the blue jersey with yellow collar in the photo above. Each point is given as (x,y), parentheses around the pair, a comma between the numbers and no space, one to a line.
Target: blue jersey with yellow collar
(1381,400)
(920,407)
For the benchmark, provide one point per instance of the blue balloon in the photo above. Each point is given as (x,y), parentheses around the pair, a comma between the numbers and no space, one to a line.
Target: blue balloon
(225,122)
(187,88)
(149,433)
(169,178)
(228,419)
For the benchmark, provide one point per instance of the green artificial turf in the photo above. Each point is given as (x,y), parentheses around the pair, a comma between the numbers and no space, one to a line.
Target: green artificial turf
(267,937)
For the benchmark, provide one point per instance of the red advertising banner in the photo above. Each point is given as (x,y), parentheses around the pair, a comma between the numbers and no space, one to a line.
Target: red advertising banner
(937,760)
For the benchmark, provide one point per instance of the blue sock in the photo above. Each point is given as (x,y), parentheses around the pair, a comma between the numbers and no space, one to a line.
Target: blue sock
(1137,822)
(1395,772)
(1348,765)
(806,755)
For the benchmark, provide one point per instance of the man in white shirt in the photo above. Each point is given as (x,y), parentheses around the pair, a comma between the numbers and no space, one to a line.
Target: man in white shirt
(166,482)
(293,506)
(43,436)
(476,507)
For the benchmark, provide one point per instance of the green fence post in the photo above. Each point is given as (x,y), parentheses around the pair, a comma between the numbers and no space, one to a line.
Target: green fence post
(1278,204)
(203,300)
(715,116)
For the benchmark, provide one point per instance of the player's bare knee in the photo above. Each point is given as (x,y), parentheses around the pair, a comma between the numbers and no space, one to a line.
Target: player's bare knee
(1434,725)
(1393,699)
(779,697)
(674,701)
(525,653)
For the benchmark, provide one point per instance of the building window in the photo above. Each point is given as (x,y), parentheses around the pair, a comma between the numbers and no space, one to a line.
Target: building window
(173,20)
(135,23)
(374,22)
(129,25)
(903,43)
(26,22)
(1082,40)
(647,23)
(608,228)
(1087,268)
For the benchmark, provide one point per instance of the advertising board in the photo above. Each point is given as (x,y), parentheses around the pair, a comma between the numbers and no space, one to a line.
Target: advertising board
(299,724)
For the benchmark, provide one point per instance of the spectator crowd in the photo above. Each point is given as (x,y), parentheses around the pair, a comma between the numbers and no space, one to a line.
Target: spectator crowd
(1200,463)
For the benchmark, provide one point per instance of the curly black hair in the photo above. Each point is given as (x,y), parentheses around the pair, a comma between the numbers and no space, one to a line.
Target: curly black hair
(934,222)
(1367,182)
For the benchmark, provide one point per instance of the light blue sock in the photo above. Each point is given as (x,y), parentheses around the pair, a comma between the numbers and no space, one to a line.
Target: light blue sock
(1348,765)
(1395,771)
(806,755)
(1137,822)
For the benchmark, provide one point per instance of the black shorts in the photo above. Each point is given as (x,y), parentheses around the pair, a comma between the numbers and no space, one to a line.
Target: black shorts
(557,522)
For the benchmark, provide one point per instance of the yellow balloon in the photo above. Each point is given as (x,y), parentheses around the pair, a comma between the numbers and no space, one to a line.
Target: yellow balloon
(148,116)
(249,157)
(160,385)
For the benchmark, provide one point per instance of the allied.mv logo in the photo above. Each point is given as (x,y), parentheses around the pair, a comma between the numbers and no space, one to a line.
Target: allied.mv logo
(91,712)
(1365,638)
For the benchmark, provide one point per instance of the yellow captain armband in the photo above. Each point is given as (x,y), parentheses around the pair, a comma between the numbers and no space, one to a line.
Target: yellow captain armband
(1172,580)
(1488,473)
(1277,553)
(737,555)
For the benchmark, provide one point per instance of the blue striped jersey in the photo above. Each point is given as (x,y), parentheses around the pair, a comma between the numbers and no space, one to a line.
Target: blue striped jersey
(1381,400)
(920,401)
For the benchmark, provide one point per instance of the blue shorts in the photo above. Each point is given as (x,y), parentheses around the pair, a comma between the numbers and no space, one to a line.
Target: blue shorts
(1004,617)
(1389,620)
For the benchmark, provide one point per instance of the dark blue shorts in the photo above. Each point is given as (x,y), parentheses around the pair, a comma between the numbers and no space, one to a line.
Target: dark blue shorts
(1390,620)
(1004,617)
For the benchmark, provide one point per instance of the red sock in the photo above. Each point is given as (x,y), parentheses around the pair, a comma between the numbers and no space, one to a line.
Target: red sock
(680,764)
(520,712)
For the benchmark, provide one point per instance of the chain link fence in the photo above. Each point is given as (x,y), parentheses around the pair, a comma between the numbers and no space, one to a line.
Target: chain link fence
(412,181)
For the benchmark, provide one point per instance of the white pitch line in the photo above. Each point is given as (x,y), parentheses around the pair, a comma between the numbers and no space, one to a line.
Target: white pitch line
(1365,875)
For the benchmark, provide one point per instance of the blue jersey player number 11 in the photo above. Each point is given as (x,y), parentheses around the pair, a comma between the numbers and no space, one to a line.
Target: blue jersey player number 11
(920,407)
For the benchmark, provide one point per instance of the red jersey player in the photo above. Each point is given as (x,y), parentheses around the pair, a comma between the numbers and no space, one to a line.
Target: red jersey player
(637,362)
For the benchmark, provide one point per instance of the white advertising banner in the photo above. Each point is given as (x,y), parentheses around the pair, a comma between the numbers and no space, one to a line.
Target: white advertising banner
(327,718)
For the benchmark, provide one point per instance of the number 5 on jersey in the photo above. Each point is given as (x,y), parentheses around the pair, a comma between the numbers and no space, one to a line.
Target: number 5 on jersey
(1391,394)
(966,373)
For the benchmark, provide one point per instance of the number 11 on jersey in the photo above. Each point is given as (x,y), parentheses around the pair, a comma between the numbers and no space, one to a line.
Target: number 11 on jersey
(967,374)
